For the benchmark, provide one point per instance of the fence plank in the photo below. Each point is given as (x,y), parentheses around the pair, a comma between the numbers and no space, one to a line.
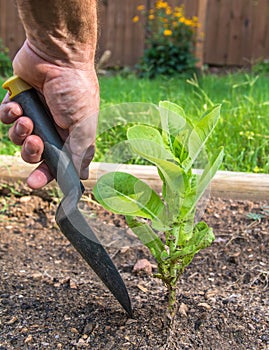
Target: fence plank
(259,38)
(234,42)
(200,35)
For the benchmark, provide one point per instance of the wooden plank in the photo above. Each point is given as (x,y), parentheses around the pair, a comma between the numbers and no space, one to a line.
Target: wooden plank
(260,15)
(3,12)
(223,31)
(266,34)
(191,7)
(246,30)
(200,34)
(211,32)
(234,51)
(229,185)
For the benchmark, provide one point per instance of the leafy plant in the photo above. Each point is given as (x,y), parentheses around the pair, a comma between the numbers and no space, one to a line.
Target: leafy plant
(5,62)
(174,148)
(261,67)
(169,40)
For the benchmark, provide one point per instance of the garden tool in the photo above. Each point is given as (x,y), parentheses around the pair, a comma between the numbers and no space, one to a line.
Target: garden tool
(68,217)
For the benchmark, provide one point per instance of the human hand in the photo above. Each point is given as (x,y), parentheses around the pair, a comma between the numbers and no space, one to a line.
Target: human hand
(71,92)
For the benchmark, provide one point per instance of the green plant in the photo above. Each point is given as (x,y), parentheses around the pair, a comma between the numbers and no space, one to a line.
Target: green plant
(169,40)
(5,62)
(174,148)
(261,67)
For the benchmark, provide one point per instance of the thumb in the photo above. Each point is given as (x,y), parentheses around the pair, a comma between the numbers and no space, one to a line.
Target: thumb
(81,143)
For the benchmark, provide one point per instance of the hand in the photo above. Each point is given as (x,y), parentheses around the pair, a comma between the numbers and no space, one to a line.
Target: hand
(71,92)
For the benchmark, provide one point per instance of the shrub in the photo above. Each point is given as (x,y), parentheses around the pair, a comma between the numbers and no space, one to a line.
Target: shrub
(169,40)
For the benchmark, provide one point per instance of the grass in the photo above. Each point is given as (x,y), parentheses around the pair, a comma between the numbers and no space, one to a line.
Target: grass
(243,129)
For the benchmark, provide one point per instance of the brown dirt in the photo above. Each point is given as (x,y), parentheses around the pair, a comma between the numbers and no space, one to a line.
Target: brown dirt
(50,299)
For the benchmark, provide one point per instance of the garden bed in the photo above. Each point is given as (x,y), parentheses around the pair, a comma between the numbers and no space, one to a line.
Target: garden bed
(50,298)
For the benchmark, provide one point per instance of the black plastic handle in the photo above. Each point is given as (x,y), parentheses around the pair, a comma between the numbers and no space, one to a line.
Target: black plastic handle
(55,153)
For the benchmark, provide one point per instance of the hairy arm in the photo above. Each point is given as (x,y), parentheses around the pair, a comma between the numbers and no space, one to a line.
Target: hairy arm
(57,59)
(63,30)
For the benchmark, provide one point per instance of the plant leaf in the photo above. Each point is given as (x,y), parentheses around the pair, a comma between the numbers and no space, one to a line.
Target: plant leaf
(175,125)
(173,117)
(147,236)
(208,173)
(202,237)
(147,141)
(125,194)
(201,132)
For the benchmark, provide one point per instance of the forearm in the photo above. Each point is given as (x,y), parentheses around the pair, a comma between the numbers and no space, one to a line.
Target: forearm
(61,31)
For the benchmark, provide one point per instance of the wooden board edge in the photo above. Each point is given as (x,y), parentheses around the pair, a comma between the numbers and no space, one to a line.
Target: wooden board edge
(226,184)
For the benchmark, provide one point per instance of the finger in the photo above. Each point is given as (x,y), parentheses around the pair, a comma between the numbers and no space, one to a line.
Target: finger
(40,177)
(22,128)
(9,111)
(32,149)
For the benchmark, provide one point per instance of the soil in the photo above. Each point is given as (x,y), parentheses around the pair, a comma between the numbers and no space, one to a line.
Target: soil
(51,299)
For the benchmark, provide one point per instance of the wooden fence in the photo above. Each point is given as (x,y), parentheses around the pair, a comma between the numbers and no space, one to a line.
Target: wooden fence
(232,32)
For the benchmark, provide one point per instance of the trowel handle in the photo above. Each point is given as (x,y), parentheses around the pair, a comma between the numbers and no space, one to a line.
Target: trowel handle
(55,154)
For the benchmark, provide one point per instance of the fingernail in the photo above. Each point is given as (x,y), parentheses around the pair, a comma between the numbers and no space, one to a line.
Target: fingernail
(21,129)
(30,149)
(15,112)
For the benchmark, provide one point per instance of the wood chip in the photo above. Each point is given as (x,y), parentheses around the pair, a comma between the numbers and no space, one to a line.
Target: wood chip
(13,320)
(211,293)
(74,330)
(205,305)
(29,339)
(183,309)
(124,250)
(144,289)
(25,199)
(73,284)
(37,276)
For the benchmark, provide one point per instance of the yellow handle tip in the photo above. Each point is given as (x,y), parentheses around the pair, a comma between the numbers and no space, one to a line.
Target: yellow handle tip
(15,85)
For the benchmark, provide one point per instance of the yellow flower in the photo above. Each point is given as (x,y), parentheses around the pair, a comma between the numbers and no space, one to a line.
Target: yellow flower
(140,7)
(151,17)
(257,169)
(167,32)
(168,10)
(135,19)
(178,12)
(161,4)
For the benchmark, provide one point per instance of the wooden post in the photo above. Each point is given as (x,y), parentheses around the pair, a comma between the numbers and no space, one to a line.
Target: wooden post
(200,34)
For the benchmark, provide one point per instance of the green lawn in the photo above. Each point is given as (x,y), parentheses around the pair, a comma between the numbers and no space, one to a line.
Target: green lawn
(243,128)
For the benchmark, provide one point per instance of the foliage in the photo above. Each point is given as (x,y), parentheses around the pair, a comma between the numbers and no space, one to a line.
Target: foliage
(243,128)
(5,62)
(261,67)
(169,41)
(173,148)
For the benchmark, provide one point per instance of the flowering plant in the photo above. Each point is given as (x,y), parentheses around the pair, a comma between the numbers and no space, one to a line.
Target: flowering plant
(169,39)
